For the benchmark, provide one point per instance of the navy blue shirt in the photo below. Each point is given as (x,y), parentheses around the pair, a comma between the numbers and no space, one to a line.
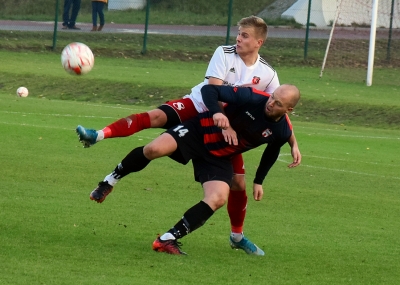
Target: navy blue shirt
(245,110)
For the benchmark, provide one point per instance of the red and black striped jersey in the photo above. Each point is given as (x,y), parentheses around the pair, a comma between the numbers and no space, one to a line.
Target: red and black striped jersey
(246,113)
(245,110)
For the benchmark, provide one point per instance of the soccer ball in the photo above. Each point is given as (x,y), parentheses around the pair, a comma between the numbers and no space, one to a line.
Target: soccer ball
(22,92)
(77,58)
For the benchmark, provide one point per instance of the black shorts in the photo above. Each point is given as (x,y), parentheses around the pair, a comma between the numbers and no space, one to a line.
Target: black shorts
(207,167)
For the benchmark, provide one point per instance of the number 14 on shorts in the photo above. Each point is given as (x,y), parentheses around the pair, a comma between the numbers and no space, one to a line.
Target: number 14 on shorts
(179,129)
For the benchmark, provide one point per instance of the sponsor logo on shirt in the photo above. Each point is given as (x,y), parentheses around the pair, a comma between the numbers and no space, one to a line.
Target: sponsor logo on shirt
(250,115)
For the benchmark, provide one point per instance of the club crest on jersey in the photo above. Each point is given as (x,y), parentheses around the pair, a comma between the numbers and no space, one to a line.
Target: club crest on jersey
(266,133)
(179,106)
(232,70)
(256,80)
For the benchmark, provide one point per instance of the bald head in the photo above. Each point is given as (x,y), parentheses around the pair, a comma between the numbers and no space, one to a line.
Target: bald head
(282,101)
(289,93)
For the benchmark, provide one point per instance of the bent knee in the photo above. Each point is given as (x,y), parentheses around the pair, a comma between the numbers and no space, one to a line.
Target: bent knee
(162,146)
(238,183)
(217,203)
(152,151)
(157,118)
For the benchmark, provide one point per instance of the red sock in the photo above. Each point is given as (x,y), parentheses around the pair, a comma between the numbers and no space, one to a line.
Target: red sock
(237,204)
(127,126)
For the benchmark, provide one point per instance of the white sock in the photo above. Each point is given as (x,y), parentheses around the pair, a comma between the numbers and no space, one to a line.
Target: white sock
(236,237)
(167,236)
(111,180)
(100,135)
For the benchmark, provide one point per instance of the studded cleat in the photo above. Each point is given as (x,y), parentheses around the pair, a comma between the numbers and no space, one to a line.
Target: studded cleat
(86,136)
(247,246)
(171,246)
(100,193)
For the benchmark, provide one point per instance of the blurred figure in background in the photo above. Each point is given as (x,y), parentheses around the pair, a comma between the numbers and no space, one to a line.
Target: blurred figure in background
(69,22)
(97,8)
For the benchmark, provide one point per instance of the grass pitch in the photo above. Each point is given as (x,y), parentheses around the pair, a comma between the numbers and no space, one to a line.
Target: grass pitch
(337,98)
(332,220)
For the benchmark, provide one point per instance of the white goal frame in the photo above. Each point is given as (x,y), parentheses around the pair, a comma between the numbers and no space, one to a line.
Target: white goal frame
(371,51)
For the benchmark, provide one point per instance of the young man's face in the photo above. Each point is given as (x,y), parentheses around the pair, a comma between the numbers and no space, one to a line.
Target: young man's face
(247,42)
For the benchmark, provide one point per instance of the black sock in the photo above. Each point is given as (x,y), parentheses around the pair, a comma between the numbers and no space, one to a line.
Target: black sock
(133,162)
(193,219)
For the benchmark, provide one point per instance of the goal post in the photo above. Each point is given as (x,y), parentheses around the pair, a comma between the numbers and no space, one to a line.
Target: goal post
(371,52)
(364,35)
(330,38)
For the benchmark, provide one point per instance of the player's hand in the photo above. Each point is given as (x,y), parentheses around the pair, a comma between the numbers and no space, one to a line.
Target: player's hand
(221,121)
(296,157)
(258,192)
(230,136)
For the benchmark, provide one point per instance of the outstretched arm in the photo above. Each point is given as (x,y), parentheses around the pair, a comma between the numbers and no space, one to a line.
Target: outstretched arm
(267,160)
(295,151)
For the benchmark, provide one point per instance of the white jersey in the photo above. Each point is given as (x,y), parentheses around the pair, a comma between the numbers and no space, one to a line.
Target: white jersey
(227,65)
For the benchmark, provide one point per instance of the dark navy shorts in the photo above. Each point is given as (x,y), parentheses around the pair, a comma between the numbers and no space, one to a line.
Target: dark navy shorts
(207,167)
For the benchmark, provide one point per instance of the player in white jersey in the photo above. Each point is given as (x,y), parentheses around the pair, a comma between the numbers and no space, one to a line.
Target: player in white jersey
(227,66)
(236,65)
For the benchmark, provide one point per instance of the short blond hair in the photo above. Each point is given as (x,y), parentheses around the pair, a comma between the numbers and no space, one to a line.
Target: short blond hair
(259,25)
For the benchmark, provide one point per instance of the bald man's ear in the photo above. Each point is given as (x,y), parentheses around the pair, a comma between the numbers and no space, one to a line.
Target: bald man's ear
(290,109)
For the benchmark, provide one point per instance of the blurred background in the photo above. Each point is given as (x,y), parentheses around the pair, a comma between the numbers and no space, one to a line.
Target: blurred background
(303,32)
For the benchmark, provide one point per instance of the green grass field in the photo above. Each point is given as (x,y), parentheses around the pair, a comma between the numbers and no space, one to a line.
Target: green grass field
(339,97)
(332,220)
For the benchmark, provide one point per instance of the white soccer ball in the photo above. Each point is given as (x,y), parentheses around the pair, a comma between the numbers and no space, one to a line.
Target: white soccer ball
(77,58)
(22,92)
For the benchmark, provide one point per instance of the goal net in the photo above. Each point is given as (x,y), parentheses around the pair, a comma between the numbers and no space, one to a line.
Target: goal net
(349,41)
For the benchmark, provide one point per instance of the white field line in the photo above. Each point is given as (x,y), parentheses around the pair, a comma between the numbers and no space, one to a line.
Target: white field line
(102,106)
(23,114)
(352,136)
(122,107)
(141,110)
(338,170)
(68,129)
(150,138)
(132,109)
(331,132)
(349,160)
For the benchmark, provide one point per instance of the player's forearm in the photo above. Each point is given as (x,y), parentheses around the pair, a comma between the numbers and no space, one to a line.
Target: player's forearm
(210,98)
(261,173)
(292,141)
(268,159)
